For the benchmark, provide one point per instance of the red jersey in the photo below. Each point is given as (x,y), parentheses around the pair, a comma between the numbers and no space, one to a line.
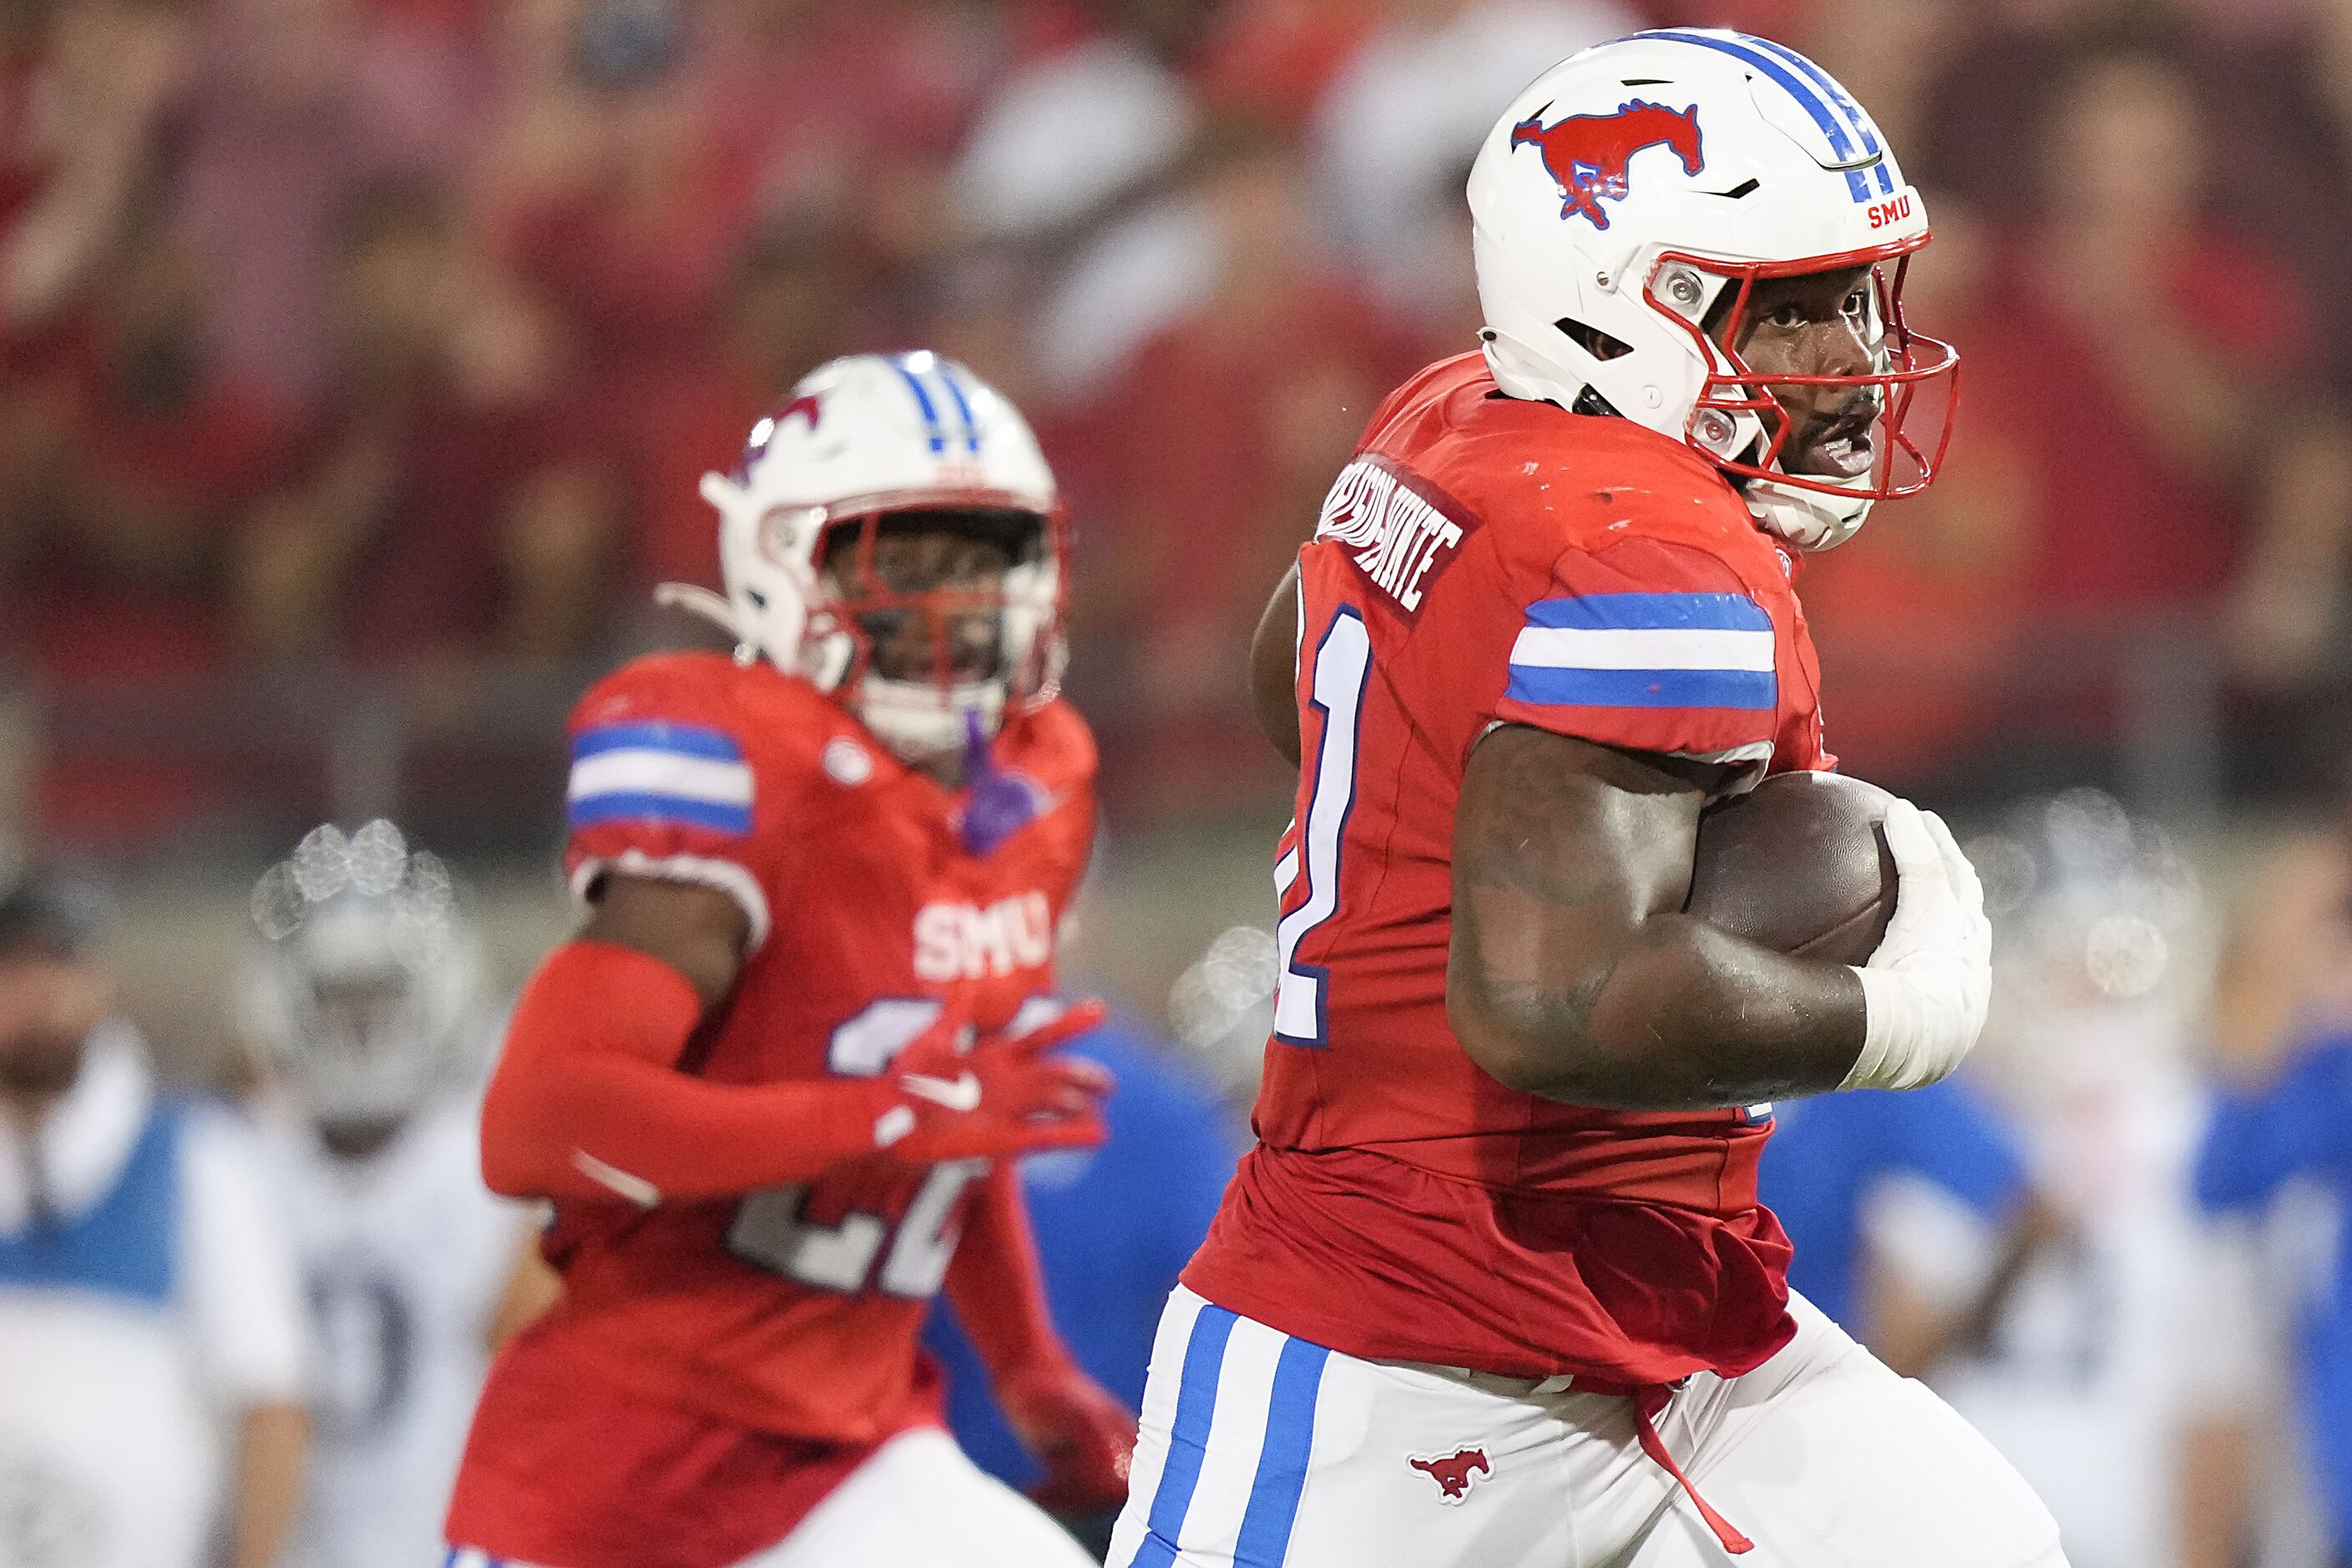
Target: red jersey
(786,1317)
(1484,561)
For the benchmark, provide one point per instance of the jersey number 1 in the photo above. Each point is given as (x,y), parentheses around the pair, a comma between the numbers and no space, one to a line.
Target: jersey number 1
(1343,662)
(771,1229)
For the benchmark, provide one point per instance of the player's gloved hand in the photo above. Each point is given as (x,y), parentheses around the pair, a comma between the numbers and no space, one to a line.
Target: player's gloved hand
(1082,1434)
(1926,989)
(998,1097)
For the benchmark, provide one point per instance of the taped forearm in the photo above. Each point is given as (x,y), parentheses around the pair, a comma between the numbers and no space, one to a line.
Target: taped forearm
(588,1101)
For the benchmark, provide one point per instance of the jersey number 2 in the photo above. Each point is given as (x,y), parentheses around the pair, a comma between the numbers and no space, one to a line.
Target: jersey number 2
(1343,662)
(770,1227)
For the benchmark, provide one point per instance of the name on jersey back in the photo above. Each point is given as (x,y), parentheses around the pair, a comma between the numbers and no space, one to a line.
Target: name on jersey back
(1400,538)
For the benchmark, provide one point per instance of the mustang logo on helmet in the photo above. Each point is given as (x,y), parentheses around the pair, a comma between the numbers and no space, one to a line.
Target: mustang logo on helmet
(1587,155)
(806,406)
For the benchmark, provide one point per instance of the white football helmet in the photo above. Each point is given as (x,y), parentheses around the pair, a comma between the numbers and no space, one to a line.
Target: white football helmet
(367,976)
(859,440)
(1626,190)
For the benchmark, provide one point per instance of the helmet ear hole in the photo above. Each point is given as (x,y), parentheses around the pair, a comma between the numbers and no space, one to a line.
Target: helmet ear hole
(1592,340)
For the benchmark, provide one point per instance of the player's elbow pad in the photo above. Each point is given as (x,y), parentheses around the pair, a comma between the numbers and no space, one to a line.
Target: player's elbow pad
(590,1002)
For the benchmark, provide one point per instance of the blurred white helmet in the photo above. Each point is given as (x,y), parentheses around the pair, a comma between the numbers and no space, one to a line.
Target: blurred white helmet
(366,978)
(1626,191)
(860,440)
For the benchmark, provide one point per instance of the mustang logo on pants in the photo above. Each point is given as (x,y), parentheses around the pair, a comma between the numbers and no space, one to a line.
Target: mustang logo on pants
(1455,1472)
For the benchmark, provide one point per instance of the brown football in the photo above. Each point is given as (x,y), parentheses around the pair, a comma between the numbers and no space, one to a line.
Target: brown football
(1799,864)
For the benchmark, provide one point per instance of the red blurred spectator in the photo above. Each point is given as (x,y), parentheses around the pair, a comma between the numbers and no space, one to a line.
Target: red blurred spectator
(2158,344)
(83,91)
(128,459)
(296,104)
(1275,58)
(1998,85)
(1213,451)
(2276,80)
(823,99)
(2136,456)
(785,316)
(1919,621)
(612,199)
(126,464)
(458,500)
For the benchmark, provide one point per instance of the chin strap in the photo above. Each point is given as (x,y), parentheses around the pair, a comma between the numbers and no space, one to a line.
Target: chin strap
(1811,521)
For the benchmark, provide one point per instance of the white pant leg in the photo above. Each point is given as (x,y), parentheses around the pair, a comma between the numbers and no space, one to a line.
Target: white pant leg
(1263,1451)
(920,1503)
(1827,1459)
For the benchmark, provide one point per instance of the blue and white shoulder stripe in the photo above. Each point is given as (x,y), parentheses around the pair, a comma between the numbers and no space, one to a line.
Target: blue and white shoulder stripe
(1646,650)
(656,771)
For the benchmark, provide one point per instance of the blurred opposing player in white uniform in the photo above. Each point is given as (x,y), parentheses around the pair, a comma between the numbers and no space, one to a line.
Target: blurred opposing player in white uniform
(364,1001)
(2136,1328)
(150,1320)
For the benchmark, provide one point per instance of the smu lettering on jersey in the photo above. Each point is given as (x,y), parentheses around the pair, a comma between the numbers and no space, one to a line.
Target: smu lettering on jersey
(1488,561)
(795,1310)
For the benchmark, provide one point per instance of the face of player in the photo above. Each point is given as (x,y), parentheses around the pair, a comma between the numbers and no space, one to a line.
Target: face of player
(1821,323)
(954,570)
(49,1007)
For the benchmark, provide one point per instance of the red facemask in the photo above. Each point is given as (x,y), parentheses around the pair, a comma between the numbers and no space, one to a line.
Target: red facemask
(1916,384)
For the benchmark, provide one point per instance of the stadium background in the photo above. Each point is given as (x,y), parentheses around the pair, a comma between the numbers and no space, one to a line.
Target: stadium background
(358,359)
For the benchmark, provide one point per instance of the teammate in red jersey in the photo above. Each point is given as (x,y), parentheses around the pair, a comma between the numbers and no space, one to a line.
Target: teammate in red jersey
(1494,1287)
(774,1087)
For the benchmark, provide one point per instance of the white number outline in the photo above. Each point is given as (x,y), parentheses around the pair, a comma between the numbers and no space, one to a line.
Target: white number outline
(770,1229)
(1342,674)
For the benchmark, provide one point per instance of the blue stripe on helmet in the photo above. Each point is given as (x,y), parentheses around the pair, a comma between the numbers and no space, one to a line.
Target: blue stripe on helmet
(1188,1437)
(1841,146)
(964,409)
(1838,95)
(922,401)
(1281,1479)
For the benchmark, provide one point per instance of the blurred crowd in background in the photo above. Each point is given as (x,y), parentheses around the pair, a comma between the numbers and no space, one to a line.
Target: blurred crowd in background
(359,358)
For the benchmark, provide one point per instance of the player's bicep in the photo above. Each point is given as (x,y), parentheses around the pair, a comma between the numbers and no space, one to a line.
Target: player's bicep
(1274,667)
(1562,850)
(700,930)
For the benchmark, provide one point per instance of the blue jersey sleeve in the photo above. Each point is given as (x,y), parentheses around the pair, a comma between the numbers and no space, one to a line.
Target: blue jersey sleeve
(2259,1138)
(1956,1141)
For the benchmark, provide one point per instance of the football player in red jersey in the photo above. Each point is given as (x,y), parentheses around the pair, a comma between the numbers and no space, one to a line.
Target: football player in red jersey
(775,1087)
(1494,1287)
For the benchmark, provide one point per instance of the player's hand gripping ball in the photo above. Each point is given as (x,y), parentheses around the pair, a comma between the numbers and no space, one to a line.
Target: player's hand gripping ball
(996,1097)
(1830,867)
(1082,1436)
(1799,864)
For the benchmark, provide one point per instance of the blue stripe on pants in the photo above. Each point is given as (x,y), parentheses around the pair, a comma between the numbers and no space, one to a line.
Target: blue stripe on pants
(1281,1480)
(1187,1438)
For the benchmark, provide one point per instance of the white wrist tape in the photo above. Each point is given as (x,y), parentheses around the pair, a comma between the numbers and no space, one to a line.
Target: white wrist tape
(1909,1039)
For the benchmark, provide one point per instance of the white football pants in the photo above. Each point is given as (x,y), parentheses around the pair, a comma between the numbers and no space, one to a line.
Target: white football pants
(1260,1450)
(918,1503)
